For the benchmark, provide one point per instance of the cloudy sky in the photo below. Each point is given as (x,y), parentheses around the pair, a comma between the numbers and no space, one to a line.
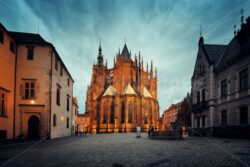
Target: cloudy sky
(166,31)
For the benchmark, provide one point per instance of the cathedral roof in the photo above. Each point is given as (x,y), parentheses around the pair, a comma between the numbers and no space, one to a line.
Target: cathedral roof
(146,92)
(125,53)
(129,90)
(110,91)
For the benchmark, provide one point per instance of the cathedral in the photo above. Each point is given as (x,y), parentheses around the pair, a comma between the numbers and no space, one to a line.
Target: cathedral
(123,97)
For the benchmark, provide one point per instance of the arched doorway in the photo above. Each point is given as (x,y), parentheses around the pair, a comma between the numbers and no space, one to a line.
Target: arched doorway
(33,127)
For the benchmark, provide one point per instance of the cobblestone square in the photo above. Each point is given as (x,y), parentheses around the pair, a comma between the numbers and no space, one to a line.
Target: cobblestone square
(122,150)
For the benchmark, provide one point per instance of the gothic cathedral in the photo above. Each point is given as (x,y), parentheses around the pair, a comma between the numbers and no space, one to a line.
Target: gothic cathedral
(123,97)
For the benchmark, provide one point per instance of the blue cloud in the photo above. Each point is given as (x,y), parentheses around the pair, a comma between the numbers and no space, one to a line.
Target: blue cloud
(165,31)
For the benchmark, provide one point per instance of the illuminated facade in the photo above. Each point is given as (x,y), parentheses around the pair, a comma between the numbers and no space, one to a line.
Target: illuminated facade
(36,88)
(123,97)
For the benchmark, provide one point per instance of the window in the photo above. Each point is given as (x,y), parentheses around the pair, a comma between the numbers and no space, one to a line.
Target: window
(150,114)
(3,104)
(30,53)
(12,47)
(130,112)
(123,113)
(198,122)
(58,89)
(56,63)
(29,89)
(76,111)
(67,125)
(68,98)
(104,120)
(203,95)
(146,114)
(203,120)
(244,79)
(68,82)
(198,97)
(54,120)
(244,115)
(224,118)
(1,37)
(112,113)
(223,86)
(61,70)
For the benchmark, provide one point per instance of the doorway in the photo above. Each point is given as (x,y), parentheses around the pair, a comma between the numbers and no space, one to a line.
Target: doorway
(33,128)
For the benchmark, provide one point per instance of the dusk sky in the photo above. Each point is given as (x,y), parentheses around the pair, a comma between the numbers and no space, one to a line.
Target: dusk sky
(165,31)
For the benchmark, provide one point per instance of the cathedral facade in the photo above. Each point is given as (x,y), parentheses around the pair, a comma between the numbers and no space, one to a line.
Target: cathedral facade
(123,97)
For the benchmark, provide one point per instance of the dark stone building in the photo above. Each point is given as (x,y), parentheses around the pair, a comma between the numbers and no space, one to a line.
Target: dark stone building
(221,87)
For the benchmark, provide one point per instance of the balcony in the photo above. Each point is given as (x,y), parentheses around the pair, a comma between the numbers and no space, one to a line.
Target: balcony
(199,107)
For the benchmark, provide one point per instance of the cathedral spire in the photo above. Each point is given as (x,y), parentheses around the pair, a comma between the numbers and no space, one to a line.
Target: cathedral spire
(135,60)
(139,59)
(151,68)
(142,63)
(147,67)
(155,72)
(125,53)
(100,56)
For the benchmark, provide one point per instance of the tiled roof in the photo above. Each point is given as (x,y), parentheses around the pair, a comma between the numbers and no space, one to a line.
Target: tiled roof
(214,52)
(29,38)
(129,90)
(231,52)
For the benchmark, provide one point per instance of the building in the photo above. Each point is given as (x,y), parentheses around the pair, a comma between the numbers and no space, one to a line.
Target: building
(221,87)
(7,83)
(123,97)
(177,115)
(36,88)
(170,116)
(74,114)
(83,122)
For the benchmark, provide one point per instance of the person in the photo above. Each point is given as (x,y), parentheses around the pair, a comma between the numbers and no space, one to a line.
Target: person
(84,131)
(150,131)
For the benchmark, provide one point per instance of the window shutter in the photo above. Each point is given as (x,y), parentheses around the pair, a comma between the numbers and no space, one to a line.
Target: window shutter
(36,90)
(22,91)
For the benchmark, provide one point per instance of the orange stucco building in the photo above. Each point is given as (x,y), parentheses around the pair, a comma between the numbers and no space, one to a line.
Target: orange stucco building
(122,97)
(83,123)
(36,89)
(169,116)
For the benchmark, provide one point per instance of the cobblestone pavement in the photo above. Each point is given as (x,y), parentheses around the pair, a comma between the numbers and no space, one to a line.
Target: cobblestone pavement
(121,150)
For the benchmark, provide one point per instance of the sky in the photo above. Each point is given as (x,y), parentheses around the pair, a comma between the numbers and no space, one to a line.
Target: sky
(165,31)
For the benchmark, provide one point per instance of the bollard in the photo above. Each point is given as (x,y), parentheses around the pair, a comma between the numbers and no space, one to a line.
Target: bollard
(138,131)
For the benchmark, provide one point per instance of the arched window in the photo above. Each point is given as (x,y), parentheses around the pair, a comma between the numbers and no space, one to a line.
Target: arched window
(54,120)
(150,113)
(146,114)
(130,112)
(67,122)
(123,112)
(104,120)
(112,113)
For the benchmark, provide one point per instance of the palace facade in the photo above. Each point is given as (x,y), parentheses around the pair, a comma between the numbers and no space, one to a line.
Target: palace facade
(123,97)
(221,87)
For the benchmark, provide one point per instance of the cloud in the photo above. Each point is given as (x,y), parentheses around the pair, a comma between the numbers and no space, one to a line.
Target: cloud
(165,31)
